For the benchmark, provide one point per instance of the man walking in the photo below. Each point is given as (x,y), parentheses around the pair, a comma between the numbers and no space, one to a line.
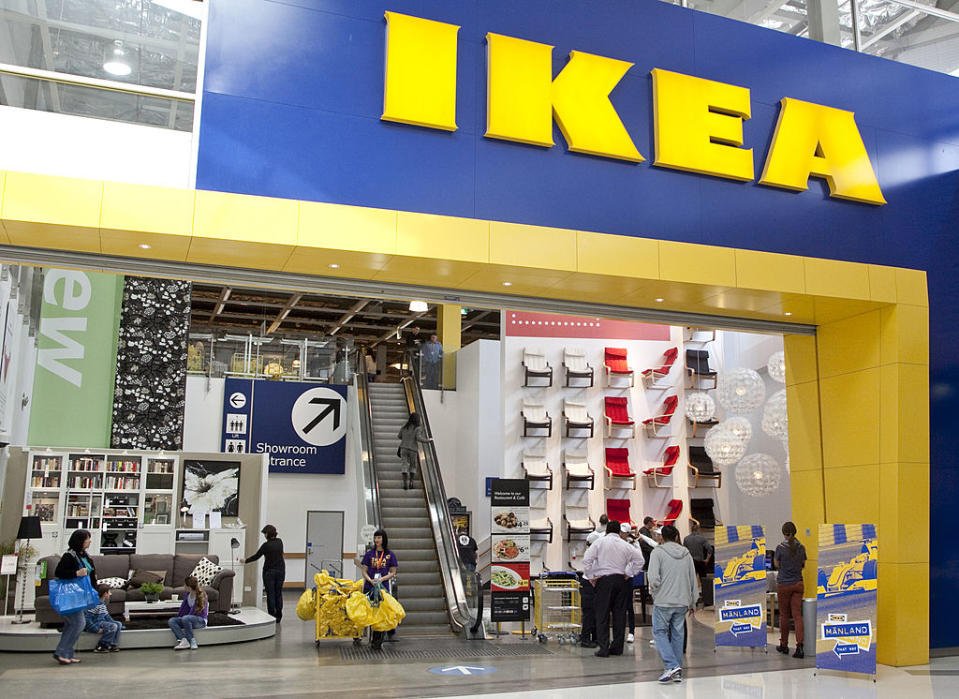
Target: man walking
(609,564)
(673,585)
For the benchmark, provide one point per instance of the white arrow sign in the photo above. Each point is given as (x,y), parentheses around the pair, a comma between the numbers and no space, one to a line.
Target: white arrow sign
(463,669)
(237,400)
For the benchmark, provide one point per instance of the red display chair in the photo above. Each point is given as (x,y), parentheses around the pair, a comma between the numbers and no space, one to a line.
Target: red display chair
(617,416)
(616,365)
(675,508)
(618,509)
(655,425)
(656,473)
(617,465)
(651,376)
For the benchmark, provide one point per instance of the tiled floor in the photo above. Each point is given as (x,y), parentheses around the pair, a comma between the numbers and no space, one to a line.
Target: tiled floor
(290,665)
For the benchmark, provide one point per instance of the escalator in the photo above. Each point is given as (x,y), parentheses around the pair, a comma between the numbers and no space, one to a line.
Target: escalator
(439,594)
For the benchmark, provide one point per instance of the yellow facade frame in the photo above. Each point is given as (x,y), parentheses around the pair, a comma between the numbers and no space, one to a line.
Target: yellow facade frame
(858,391)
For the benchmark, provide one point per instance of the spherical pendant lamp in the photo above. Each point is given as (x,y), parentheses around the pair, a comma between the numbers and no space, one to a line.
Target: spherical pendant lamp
(777,367)
(758,475)
(700,406)
(741,391)
(739,426)
(723,446)
(775,417)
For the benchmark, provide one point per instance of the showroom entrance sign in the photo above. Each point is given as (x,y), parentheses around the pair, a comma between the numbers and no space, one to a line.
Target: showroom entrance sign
(301,426)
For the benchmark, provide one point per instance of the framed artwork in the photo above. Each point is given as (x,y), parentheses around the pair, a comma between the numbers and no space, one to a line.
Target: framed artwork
(212,486)
(163,519)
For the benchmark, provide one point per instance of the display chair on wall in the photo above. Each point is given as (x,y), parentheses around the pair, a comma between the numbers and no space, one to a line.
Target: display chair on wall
(537,470)
(578,528)
(576,418)
(673,510)
(704,425)
(617,416)
(702,512)
(656,474)
(701,467)
(698,371)
(656,427)
(535,417)
(577,468)
(656,374)
(576,366)
(535,366)
(618,509)
(541,530)
(617,467)
(616,365)
(699,335)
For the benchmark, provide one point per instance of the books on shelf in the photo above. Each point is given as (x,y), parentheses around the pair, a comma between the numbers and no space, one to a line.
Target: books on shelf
(122,483)
(46,463)
(84,482)
(123,466)
(160,467)
(85,463)
(45,481)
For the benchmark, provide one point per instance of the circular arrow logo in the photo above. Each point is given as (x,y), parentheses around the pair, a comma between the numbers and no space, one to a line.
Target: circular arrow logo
(319,416)
(237,400)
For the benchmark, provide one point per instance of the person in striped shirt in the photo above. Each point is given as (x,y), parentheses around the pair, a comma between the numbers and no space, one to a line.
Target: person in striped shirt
(98,620)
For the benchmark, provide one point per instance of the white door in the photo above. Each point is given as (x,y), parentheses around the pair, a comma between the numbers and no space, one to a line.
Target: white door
(324,544)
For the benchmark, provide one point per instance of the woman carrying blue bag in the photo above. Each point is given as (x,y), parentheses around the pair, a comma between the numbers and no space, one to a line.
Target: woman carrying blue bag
(75,566)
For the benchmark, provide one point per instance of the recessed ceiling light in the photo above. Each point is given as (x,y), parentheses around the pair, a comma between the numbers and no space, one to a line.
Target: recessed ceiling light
(787,313)
(144,246)
(660,300)
(418,306)
(507,283)
(333,265)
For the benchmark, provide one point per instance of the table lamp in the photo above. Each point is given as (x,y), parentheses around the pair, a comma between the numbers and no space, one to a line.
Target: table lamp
(29,529)
(234,545)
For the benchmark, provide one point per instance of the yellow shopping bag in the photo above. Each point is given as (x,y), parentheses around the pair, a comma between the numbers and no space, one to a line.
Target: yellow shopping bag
(359,610)
(306,607)
(389,614)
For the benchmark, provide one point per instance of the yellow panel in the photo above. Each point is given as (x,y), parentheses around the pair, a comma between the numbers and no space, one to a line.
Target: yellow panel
(911,287)
(532,246)
(848,280)
(882,283)
(903,499)
(852,494)
(336,226)
(913,413)
(805,448)
(441,273)
(52,212)
(519,84)
(799,307)
(613,289)
(850,415)
(444,237)
(619,255)
(523,281)
(749,304)
(903,619)
(3,230)
(697,264)
(770,271)
(800,358)
(905,334)
(849,345)
(211,251)
(346,263)
(420,80)
(806,493)
(161,245)
(235,217)
(136,208)
(889,413)
(829,309)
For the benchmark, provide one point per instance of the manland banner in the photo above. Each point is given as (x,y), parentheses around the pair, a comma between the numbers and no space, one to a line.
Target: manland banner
(739,587)
(847,583)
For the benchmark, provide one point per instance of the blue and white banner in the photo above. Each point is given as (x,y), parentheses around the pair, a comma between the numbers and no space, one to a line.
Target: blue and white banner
(846,598)
(302,426)
(739,586)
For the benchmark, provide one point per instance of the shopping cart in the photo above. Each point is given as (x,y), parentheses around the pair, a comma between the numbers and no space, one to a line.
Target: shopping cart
(556,608)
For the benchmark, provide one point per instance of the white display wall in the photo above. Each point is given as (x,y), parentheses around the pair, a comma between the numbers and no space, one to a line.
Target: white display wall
(644,452)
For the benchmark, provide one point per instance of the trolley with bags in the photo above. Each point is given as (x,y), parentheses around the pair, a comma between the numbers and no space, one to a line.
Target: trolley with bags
(340,610)
(556,608)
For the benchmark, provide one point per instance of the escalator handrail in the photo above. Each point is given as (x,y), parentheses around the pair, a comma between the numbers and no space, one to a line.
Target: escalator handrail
(367,446)
(451,567)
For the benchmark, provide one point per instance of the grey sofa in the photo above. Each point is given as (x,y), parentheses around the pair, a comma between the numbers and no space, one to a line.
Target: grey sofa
(177,567)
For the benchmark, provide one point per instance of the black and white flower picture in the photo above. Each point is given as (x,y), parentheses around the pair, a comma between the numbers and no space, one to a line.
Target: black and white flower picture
(212,486)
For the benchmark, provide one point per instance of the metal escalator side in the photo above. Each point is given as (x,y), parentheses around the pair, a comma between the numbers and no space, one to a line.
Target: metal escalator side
(368,452)
(462,587)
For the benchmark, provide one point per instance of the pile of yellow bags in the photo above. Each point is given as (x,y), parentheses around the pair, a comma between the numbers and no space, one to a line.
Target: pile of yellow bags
(341,609)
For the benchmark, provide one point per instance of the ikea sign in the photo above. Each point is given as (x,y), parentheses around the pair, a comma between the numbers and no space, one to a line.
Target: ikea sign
(698,123)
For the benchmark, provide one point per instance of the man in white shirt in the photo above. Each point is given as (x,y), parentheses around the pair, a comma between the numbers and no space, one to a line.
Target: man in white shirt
(609,564)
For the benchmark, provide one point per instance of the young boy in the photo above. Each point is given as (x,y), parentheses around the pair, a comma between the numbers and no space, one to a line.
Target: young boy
(98,620)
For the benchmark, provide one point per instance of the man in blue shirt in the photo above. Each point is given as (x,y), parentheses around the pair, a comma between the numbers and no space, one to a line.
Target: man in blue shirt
(432,354)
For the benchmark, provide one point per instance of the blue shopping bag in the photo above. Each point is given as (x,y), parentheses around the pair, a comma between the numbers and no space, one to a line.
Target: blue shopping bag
(72,596)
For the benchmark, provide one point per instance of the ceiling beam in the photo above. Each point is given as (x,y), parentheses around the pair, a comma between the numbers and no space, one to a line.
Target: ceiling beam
(348,316)
(399,327)
(224,297)
(284,312)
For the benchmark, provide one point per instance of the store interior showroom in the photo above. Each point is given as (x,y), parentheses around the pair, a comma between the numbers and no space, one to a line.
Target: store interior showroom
(182,411)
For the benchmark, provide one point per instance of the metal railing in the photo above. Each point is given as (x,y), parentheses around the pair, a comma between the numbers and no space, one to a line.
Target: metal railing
(367,446)
(461,585)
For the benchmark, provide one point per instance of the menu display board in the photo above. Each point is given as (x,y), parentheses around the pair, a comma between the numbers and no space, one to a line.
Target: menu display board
(509,576)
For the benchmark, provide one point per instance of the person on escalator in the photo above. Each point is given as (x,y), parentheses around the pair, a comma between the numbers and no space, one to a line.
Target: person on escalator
(467,548)
(410,436)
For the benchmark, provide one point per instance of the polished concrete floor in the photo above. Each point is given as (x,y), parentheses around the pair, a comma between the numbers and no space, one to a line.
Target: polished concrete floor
(290,665)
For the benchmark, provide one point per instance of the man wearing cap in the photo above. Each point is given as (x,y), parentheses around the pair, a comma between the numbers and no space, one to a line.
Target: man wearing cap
(608,564)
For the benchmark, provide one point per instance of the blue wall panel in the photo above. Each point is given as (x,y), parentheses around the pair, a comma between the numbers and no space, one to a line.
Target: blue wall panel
(293,93)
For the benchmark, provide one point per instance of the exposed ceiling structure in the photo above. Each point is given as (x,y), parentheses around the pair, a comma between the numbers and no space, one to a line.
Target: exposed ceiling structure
(370,322)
